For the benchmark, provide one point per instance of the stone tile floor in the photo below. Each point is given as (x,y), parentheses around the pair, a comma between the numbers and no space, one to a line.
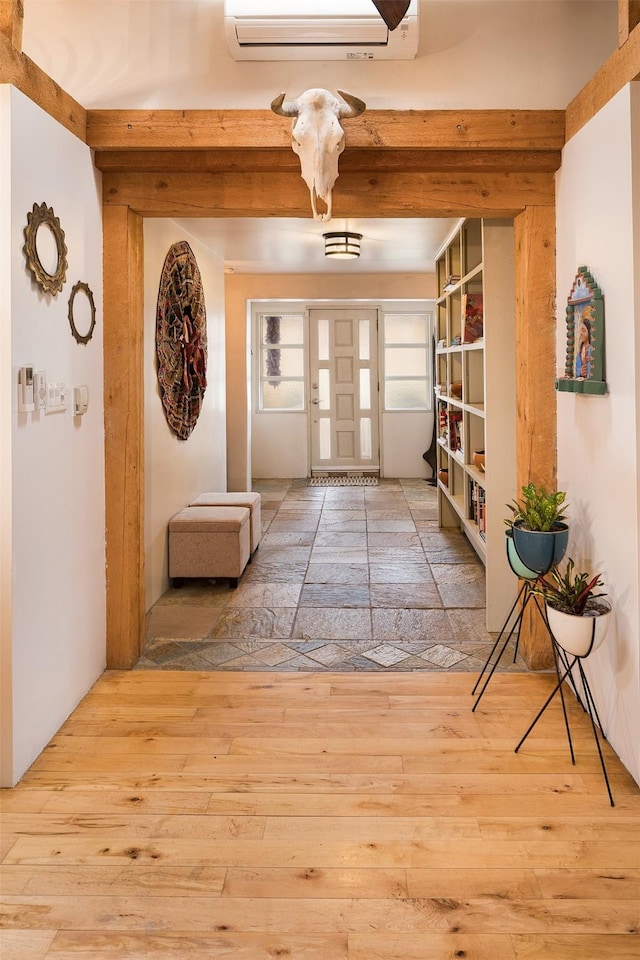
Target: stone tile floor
(345,579)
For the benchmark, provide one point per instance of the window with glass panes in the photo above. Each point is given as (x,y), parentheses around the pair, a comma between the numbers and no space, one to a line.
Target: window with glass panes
(281,384)
(407,375)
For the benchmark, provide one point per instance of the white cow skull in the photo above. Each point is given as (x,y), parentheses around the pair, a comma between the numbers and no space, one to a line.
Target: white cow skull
(318,138)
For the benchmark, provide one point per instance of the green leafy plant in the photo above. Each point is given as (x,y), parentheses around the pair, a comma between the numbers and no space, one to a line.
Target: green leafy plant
(538,509)
(571,592)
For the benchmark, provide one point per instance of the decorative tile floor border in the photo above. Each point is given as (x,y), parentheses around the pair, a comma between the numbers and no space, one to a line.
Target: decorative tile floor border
(315,657)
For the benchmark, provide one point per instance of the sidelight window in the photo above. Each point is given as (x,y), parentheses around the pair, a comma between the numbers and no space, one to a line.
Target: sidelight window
(282,380)
(407,375)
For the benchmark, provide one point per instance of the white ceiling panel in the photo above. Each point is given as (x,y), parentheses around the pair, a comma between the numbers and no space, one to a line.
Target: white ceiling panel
(287,245)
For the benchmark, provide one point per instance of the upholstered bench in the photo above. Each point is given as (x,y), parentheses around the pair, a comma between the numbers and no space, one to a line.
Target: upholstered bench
(249,499)
(209,542)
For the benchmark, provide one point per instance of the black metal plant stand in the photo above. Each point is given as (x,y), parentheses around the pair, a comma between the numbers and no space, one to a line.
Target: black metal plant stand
(526,593)
(588,705)
(563,662)
(525,596)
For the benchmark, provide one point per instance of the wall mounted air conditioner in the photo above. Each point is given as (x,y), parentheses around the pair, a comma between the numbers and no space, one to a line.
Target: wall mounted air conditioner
(317,30)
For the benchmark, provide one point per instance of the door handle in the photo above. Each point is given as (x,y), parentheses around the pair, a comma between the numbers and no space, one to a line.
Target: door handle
(315,401)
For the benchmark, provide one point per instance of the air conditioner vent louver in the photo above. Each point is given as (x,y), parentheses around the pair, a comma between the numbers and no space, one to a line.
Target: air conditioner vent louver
(311,32)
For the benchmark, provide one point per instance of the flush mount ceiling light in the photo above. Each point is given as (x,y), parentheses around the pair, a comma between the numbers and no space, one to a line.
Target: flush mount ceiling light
(342,244)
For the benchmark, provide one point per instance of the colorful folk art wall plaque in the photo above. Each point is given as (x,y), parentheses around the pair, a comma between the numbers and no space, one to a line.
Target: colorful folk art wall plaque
(584,361)
(181,339)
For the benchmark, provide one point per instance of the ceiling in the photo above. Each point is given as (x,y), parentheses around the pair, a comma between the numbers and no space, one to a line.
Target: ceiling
(285,245)
(155,54)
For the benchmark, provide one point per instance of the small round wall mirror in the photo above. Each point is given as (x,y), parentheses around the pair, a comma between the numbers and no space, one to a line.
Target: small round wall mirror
(45,249)
(82,312)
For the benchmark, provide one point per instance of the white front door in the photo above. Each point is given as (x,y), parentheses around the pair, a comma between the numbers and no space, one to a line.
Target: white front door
(343,391)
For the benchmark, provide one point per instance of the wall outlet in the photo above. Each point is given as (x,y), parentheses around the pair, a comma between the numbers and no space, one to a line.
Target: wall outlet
(80,401)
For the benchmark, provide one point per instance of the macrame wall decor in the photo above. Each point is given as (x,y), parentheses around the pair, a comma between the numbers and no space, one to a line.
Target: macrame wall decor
(181,339)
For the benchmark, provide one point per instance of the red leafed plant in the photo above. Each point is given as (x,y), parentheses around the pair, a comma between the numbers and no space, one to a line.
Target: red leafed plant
(571,592)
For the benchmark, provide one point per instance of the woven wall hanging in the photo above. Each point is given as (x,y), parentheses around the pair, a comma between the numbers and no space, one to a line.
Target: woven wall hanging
(181,339)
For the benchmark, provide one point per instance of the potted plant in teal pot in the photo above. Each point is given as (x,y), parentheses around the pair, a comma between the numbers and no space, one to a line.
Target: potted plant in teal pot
(578,617)
(540,535)
(516,564)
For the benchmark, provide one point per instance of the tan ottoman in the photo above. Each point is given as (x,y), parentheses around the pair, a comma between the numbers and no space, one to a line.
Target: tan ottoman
(250,500)
(209,542)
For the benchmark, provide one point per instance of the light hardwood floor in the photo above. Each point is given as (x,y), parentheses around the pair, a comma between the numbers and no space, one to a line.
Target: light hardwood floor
(319,817)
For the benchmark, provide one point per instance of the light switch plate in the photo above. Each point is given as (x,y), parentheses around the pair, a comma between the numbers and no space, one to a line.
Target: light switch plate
(40,389)
(56,397)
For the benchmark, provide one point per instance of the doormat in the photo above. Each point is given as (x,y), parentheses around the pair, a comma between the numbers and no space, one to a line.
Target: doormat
(344,481)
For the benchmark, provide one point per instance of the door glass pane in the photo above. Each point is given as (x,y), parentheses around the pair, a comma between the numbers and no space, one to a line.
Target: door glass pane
(323,339)
(323,390)
(283,395)
(324,433)
(405,395)
(365,389)
(363,331)
(365,438)
(405,361)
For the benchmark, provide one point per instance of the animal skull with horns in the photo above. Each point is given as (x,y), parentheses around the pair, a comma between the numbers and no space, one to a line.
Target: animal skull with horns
(318,138)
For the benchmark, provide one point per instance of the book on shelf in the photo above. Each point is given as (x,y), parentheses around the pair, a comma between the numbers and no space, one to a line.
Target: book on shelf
(482,517)
(455,431)
(442,420)
(477,507)
(472,317)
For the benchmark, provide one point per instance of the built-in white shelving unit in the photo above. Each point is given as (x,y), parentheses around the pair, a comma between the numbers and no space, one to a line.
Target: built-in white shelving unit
(475,395)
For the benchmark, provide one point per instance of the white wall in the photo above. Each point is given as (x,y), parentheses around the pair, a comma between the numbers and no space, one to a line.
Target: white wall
(598,437)
(177,471)
(405,435)
(279,445)
(6,423)
(120,51)
(56,646)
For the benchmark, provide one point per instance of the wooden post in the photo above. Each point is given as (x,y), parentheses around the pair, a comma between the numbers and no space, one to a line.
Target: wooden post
(11,19)
(628,18)
(124,433)
(536,428)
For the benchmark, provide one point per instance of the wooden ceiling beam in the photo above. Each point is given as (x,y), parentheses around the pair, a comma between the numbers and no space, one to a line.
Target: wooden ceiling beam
(628,18)
(389,129)
(285,194)
(353,160)
(17,69)
(11,20)
(622,67)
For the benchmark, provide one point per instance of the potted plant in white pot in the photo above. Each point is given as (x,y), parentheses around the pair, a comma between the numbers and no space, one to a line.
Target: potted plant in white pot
(578,617)
(540,535)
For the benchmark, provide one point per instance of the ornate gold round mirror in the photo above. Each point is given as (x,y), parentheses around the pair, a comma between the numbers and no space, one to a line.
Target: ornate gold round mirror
(45,249)
(82,312)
